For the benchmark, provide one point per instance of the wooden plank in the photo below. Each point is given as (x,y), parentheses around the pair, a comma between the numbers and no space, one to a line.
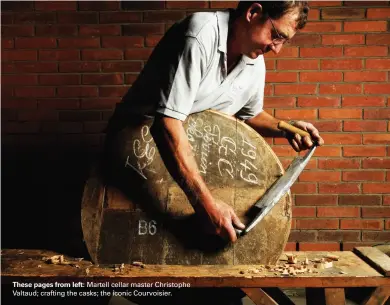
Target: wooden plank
(24,264)
(379,296)
(278,295)
(258,296)
(334,296)
(375,258)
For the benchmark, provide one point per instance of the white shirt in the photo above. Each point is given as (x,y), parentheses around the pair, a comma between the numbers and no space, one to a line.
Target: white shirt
(187,73)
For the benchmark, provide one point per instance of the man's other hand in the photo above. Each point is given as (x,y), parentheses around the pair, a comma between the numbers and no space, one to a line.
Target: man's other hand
(220,219)
(301,143)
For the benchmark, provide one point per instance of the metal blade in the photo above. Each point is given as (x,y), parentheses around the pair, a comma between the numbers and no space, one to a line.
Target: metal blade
(279,188)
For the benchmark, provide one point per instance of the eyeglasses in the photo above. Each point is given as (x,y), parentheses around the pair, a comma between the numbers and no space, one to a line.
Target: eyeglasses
(280,39)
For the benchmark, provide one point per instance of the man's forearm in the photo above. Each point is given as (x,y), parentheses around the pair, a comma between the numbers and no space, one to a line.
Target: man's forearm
(175,150)
(265,124)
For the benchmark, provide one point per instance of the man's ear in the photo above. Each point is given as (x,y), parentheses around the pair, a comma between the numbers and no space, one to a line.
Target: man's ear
(254,12)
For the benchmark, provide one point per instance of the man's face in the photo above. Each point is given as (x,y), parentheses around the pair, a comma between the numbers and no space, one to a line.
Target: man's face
(264,36)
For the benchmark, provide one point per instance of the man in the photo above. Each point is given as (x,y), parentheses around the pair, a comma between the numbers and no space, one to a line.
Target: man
(214,60)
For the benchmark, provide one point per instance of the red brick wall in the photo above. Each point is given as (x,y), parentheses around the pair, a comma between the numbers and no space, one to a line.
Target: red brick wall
(66,64)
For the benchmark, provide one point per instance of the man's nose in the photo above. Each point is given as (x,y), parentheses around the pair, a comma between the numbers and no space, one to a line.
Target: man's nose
(276,48)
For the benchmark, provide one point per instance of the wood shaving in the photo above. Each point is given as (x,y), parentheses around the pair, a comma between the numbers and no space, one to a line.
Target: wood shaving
(138,264)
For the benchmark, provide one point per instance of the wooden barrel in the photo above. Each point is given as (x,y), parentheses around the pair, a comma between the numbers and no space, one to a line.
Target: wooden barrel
(135,211)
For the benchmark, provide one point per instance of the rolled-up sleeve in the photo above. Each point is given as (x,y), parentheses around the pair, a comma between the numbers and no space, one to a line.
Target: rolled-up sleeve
(178,93)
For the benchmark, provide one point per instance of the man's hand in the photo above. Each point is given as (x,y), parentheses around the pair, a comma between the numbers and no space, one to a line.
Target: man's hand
(301,143)
(220,219)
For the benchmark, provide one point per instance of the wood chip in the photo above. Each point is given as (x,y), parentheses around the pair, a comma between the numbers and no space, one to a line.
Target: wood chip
(332,257)
(328,265)
(138,264)
(87,271)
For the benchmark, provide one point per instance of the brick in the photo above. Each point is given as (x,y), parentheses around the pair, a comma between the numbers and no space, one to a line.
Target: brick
(365,3)
(342,13)
(56,30)
(341,64)
(338,212)
(268,90)
(366,51)
(351,245)
(378,64)
(300,236)
(316,101)
(223,4)
(275,102)
(290,246)
(298,64)
(365,76)
(270,64)
(310,176)
(380,163)
(376,188)
(17,30)
(26,80)
(340,113)
(364,176)
(36,18)
(163,16)
(73,43)
(130,78)
(120,17)
(296,114)
(59,55)
(17,6)
(7,18)
(359,200)
(286,52)
(102,79)
(342,139)
(19,55)
(100,5)
(378,13)
(100,30)
(34,92)
(101,54)
(364,151)
(342,39)
(121,66)
(187,4)
(319,247)
(296,89)
(338,188)
(123,42)
(302,39)
(377,114)
(281,77)
(317,224)
(383,138)
(365,126)
(360,224)
(304,188)
(81,91)
(138,54)
(284,151)
(7,43)
(363,101)
(113,91)
(328,151)
(314,14)
(59,80)
(35,43)
(304,212)
(339,236)
(38,115)
(18,103)
(320,77)
(314,200)
(322,27)
(323,126)
(142,5)
(365,26)
(321,52)
(377,39)
(57,103)
(62,127)
(78,17)
(387,224)
(338,164)
(152,40)
(376,236)
(377,88)
(79,115)
(81,66)
(94,127)
(143,29)
(325,3)
(380,212)
(99,103)
(21,127)
(340,89)
(55,6)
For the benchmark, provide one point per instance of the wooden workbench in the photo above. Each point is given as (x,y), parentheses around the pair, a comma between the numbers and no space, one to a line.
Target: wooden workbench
(364,267)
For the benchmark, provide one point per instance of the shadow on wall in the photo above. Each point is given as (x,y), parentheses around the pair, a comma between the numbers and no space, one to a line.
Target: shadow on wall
(42,188)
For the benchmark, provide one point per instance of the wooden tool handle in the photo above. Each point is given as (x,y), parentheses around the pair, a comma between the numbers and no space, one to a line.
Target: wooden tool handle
(292,129)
